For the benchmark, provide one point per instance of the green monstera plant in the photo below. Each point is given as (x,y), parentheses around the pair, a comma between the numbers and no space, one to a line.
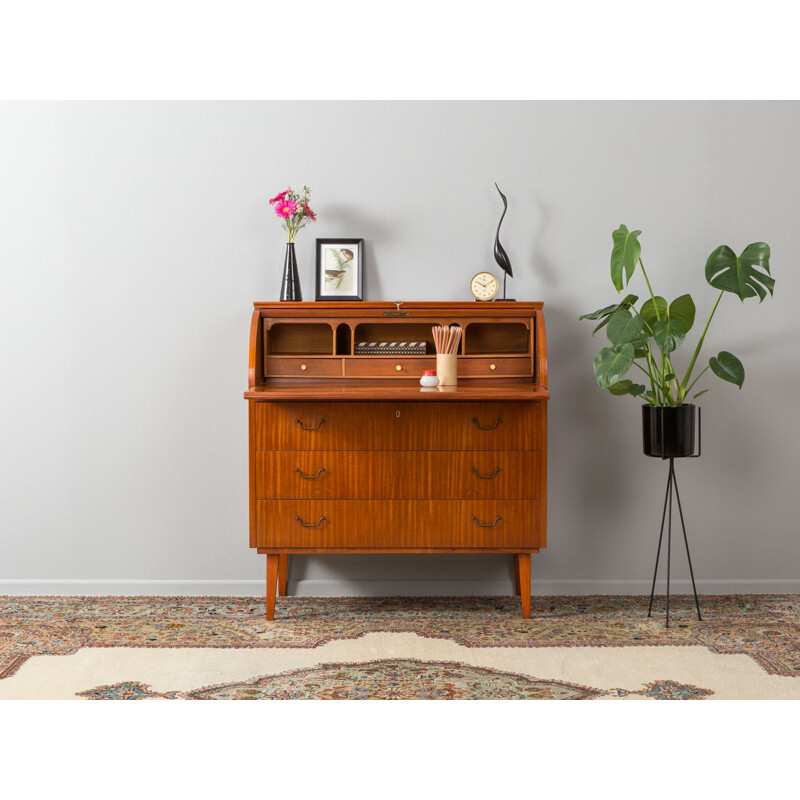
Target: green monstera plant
(648,336)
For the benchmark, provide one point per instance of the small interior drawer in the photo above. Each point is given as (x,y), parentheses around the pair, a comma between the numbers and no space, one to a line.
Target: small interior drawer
(304,367)
(495,367)
(387,366)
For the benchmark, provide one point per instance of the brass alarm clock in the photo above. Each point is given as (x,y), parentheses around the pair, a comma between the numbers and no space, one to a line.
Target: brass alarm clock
(484,286)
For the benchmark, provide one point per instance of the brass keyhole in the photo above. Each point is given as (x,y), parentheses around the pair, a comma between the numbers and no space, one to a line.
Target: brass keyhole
(397,413)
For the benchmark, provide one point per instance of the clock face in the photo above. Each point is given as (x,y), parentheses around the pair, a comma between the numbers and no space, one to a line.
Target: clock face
(484,286)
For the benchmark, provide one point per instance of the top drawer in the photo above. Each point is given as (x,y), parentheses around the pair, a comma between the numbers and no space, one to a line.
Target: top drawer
(449,425)
(325,426)
(470,426)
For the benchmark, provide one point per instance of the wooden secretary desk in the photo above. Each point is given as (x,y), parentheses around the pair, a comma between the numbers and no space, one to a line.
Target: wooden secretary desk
(349,454)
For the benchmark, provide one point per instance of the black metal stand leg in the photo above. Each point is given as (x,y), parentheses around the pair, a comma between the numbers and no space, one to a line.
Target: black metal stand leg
(686,542)
(669,531)
(658,554)
(672,481)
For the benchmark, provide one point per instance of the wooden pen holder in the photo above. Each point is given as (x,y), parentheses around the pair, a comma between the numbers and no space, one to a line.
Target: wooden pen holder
(447,369)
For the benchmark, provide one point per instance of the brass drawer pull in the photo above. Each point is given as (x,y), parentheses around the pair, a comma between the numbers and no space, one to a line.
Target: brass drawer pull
(487,427)
(311,524)
(309,477)
(487,477)
(309,428)
(487,524)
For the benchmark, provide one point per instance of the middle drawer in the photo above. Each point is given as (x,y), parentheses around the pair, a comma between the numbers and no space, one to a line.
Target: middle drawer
(410,475)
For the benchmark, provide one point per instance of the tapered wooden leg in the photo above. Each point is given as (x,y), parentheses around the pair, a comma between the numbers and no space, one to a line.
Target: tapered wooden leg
(516,574)
(283,569)
(524,560)
(272,583)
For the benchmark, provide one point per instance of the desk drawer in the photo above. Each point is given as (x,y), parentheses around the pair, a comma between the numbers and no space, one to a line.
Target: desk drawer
(325,426)
(388,524)
(398,475)
(494,367)
(387,367)
(470,426)
(300,367)
(433,425)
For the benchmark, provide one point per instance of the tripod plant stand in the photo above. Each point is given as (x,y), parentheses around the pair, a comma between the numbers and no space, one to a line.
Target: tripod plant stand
(672,484)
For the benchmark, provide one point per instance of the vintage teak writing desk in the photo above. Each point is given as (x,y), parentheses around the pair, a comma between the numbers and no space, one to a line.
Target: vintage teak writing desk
(348,454)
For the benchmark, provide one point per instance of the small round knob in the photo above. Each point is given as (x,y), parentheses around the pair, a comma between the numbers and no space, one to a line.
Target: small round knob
(304,367)
(398,368)
(492,366)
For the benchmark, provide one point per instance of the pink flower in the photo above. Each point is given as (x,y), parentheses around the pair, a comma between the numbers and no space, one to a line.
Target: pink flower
(309,213)
(278,197)
(286,208)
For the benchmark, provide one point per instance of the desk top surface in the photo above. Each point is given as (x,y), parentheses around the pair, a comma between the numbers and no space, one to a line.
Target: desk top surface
(494,390)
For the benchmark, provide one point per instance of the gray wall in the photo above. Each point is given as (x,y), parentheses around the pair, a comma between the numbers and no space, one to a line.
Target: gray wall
(134,238)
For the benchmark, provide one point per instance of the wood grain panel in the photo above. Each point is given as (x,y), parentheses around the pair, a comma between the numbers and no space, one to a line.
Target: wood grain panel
(397,475)
(412,524)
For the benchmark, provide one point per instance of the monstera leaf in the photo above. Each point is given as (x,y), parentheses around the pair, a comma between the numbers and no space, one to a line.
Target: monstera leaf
(653,310)
(605,313)
(626,387)
(728,367)
(624,256)
(746,275)
(611,364)
(624,327)
(668,335)
(682,310)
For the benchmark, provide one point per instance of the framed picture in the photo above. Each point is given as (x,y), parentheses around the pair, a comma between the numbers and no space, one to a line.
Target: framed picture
(340,267)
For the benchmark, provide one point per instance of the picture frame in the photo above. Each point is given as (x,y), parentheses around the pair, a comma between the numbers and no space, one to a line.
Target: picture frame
(340,268)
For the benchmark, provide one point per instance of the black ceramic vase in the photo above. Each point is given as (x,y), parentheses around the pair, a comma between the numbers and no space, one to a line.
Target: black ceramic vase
(668,431)
(290,285)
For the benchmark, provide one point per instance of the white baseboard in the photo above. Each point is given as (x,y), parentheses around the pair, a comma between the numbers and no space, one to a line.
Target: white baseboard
(387,588)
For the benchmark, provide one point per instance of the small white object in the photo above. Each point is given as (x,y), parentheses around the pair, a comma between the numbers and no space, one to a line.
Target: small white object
(428,380)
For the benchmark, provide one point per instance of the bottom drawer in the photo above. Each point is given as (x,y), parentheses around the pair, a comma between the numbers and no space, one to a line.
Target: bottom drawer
(397,524)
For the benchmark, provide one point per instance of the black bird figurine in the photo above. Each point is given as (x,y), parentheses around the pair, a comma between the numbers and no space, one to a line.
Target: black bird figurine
(500,255)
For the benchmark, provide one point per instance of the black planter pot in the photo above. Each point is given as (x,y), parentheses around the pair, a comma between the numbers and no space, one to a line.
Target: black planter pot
(668,431)
(290,285)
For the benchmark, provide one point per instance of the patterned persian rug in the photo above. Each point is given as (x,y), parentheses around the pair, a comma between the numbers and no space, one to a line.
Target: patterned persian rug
(344,648)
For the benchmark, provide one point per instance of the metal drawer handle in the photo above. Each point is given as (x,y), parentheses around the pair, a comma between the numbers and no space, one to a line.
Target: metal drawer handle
(487,477)
(487,427)
(309,428)
(309,477)
(487,524)
(311,524)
